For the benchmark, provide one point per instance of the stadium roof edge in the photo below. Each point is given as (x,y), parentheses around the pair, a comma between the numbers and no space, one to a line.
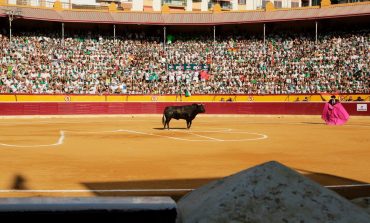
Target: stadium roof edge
(192,18)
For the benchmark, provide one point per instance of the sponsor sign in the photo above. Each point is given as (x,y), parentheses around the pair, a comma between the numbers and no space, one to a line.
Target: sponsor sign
(361,107)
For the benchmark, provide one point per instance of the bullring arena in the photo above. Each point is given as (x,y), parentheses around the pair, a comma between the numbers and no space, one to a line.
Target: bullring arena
(133,155)
(83,87)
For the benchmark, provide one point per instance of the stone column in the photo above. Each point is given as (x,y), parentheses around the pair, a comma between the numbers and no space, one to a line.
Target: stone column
(204,5)
(137,5)
(189,5)
(249,4)
(289,3)
(156,5)
(234,4)
(284,3)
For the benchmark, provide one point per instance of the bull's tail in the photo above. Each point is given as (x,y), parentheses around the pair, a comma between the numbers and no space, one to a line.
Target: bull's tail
(163,120)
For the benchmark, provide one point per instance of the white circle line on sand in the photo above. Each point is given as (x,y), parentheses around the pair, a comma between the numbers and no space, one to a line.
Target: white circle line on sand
(262,136)
(170,137)
(59,142)
(208,139)
(202,136)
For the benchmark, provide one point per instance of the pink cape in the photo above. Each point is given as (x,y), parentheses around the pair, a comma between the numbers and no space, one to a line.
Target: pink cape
(334,115)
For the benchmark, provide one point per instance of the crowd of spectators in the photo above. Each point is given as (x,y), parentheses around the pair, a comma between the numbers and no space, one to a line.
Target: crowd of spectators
(135,63)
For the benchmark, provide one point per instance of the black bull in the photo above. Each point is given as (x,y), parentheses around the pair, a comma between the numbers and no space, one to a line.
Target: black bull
(187,112)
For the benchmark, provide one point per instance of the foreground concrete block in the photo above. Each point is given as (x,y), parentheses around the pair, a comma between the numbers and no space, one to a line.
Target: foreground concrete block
(267,193)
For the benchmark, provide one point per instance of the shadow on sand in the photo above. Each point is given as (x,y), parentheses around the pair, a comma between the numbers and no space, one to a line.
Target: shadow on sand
(346,187)
(171,129)
(19,183)
(173,188)
(180,187)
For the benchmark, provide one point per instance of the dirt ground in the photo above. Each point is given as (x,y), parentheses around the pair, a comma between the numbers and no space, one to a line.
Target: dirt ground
(133,155)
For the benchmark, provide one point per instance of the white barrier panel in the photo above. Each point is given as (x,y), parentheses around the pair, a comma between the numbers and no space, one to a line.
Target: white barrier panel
(88,209)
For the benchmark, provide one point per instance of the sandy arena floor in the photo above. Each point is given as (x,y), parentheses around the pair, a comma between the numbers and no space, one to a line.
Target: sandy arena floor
(133,155)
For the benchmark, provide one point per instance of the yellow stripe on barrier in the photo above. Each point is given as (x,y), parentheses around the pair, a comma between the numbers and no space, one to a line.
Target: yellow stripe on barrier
(88,98)
(8,98)
(177,98)
(117,98)
(139,98)
(43,98)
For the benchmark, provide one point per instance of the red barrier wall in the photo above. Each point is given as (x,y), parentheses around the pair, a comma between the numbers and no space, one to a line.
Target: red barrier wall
(73,108)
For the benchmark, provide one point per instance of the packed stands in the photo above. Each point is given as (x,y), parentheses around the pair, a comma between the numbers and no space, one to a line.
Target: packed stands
(138,63)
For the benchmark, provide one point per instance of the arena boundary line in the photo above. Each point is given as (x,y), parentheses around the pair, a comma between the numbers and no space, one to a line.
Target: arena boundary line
(20,117)
(206,121)
(95,191)
(144,115)
(134,190)
(348,185)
